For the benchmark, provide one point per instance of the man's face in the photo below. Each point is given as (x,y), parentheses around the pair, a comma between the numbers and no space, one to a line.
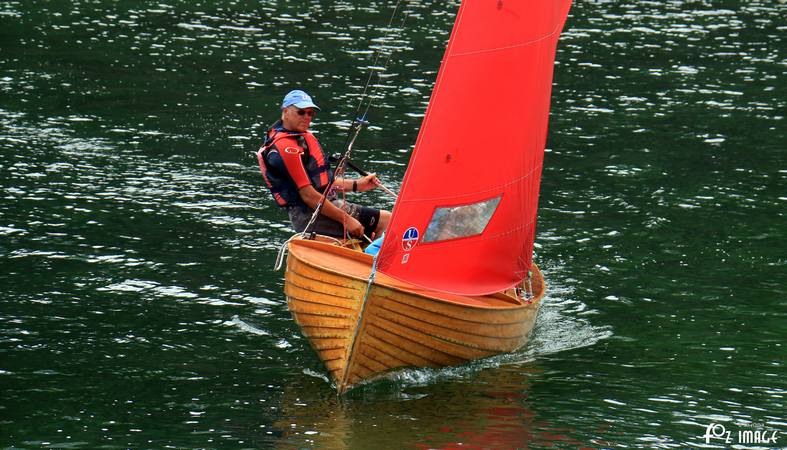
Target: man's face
(297,119)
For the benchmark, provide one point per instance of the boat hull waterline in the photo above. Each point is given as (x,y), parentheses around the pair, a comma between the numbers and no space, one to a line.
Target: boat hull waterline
(360,336)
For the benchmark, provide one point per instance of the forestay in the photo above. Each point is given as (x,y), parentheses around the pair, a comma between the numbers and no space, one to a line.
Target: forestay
(466,214)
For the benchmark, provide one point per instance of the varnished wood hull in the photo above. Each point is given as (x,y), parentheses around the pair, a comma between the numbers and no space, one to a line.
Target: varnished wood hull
(360,336)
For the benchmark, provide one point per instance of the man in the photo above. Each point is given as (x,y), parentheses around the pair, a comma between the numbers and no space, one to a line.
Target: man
(297,172)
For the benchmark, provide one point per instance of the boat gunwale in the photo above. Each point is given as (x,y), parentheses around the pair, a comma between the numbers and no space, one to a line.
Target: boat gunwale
(364,258)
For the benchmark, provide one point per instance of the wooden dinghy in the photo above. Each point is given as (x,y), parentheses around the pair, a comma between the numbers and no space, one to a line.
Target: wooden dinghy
(361,336)
(442,289)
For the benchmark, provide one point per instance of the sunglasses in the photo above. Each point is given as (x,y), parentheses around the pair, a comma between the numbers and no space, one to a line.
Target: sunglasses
(310,112)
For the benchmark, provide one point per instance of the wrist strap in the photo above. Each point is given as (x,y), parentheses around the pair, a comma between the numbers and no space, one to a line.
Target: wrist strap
(355,186)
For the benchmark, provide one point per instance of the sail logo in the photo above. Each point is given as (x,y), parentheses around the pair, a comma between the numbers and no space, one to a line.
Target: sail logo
(410,238)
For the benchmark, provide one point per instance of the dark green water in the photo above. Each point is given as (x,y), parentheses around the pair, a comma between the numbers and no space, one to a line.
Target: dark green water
(140,309)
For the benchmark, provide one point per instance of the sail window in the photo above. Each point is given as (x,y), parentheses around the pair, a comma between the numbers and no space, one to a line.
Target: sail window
(460,221)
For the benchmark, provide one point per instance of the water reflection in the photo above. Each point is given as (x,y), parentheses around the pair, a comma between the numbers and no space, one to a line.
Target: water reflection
(491,409)
(484,404)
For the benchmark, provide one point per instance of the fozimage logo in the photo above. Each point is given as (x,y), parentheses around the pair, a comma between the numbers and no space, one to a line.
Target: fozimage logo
(717,431)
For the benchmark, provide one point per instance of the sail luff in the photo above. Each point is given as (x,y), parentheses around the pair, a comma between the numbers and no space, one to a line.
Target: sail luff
(414,154)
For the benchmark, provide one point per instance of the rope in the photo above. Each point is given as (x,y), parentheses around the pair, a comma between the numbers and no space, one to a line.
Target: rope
(283,251)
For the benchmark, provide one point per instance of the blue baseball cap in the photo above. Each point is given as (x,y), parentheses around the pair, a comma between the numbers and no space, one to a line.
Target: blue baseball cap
(299,99)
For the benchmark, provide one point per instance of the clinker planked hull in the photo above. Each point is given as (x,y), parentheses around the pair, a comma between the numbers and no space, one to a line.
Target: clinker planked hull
(398,325)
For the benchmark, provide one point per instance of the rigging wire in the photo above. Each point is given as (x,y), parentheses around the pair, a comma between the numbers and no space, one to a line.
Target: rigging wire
(360,120)
(375,65)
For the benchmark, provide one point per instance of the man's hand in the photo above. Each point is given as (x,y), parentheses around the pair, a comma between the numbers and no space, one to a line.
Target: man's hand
(368,182)
(353,226)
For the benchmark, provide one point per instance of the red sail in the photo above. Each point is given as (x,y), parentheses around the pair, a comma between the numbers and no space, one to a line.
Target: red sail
(466,215)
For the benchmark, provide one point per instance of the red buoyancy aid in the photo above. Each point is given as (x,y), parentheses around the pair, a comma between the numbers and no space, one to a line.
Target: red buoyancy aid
(278,179)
